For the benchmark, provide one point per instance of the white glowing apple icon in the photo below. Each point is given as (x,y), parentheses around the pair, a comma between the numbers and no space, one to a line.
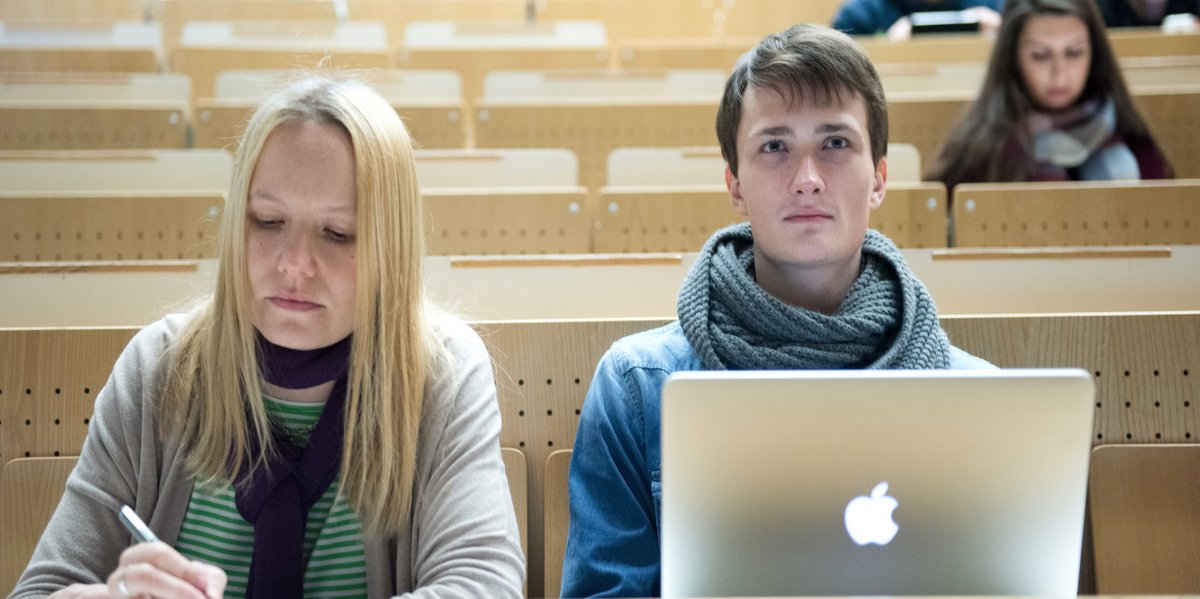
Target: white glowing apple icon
(869,519)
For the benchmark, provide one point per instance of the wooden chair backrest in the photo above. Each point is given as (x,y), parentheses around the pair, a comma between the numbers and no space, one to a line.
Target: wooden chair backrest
(29,491)
(660,218)
(515,220)
(115,170)
(593,129)
(108,226)
(203,64)
(557,518)
(431,123)
(1077,213)
(78,46)
(681,218)
(633,19)
(516,470)
(508,167)
(1145,517)
(73,10)
(78,125)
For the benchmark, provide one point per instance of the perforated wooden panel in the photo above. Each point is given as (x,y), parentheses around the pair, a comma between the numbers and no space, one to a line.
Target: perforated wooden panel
(506,221)
(592,130)
(1056,214)
(543,370)
(83,127)
(1146,366)
(203,64)
(913,215)
(1146,369)
(108,226)
(653,219)
(49,379)
(79,60)
(432,125)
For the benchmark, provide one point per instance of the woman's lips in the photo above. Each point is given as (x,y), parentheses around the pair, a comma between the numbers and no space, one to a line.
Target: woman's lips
(293,304)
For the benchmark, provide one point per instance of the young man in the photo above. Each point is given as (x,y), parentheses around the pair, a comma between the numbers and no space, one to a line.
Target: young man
(803,129)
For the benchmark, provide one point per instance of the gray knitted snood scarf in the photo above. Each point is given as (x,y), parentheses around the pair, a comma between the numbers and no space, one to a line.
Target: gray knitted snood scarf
(887,319)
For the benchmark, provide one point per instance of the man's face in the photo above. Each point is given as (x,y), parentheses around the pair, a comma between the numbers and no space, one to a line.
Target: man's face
(807,184)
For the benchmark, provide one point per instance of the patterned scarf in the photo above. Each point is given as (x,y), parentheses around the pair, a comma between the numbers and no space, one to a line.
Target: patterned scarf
(886,321)
(1084,138)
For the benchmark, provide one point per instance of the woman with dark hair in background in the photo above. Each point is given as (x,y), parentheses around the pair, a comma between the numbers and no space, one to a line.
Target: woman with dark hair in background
(1053,106)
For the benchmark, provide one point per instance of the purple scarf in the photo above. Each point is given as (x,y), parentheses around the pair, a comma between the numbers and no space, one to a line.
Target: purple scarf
(276,499)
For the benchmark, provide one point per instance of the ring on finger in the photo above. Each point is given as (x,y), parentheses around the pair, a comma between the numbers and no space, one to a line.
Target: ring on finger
(122,588)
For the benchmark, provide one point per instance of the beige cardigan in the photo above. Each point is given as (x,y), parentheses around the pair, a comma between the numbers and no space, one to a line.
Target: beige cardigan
(463,540)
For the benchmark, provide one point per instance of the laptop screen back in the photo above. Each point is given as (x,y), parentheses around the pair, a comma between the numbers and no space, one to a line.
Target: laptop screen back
(874,483)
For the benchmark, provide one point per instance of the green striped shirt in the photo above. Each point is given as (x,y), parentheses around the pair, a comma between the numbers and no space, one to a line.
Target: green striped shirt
(214,532)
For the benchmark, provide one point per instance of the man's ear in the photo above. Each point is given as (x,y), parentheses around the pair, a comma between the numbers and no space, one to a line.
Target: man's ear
(735,191)
(880,186)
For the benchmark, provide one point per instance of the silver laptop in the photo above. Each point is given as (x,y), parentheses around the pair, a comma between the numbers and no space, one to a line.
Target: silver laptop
(874,483)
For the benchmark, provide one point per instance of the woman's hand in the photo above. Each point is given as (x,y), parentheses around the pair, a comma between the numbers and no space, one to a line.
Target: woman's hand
(154,570)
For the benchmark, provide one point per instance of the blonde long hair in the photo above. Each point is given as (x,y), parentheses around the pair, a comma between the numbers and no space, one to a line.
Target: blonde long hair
(212,396)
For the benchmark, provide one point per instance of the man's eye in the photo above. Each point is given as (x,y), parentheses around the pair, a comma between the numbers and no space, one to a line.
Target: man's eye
(773,146)
(838,142)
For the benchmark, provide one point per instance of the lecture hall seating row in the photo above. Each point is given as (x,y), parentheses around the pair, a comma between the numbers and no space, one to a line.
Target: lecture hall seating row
(1144,366)
(153,225)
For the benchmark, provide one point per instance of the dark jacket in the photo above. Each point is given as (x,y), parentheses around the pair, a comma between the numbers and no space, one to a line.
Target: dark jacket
(1118,14)
(867,17)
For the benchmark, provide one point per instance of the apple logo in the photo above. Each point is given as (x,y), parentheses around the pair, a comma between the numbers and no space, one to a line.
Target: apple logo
(869,519)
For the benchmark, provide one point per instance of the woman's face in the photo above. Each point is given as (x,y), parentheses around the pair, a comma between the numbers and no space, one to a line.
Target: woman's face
(1054,54)
(301,221)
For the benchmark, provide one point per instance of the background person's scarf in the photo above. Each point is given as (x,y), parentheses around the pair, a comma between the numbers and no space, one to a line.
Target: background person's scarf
(1083,138)
(276,499)
(887,319)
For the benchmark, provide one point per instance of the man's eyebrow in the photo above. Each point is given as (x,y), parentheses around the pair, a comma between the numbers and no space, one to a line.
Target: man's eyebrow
(775,131)
(834,128)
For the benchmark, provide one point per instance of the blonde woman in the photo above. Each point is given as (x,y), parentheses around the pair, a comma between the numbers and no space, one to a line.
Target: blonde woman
(316,429)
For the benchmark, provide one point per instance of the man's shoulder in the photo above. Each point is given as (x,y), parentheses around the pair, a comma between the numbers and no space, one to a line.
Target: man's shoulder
(961,360)
(663,348)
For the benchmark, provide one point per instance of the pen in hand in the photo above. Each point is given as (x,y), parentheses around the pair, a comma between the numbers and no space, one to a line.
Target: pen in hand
(141,533)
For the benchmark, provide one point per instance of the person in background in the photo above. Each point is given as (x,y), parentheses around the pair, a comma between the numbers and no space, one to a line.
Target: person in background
(870,17)
(803,285)
(1053,106)
(316,428)
(1174,16)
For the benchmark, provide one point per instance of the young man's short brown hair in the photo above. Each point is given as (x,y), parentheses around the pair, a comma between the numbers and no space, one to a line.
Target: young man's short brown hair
(805,59)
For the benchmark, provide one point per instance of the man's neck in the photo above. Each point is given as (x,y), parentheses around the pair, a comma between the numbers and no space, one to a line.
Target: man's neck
(819,288)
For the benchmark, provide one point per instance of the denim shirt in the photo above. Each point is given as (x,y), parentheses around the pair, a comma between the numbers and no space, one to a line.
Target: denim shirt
(615,479)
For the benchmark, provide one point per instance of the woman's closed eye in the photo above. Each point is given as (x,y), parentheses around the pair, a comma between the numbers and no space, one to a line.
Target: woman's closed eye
(265,222)
(338,236)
